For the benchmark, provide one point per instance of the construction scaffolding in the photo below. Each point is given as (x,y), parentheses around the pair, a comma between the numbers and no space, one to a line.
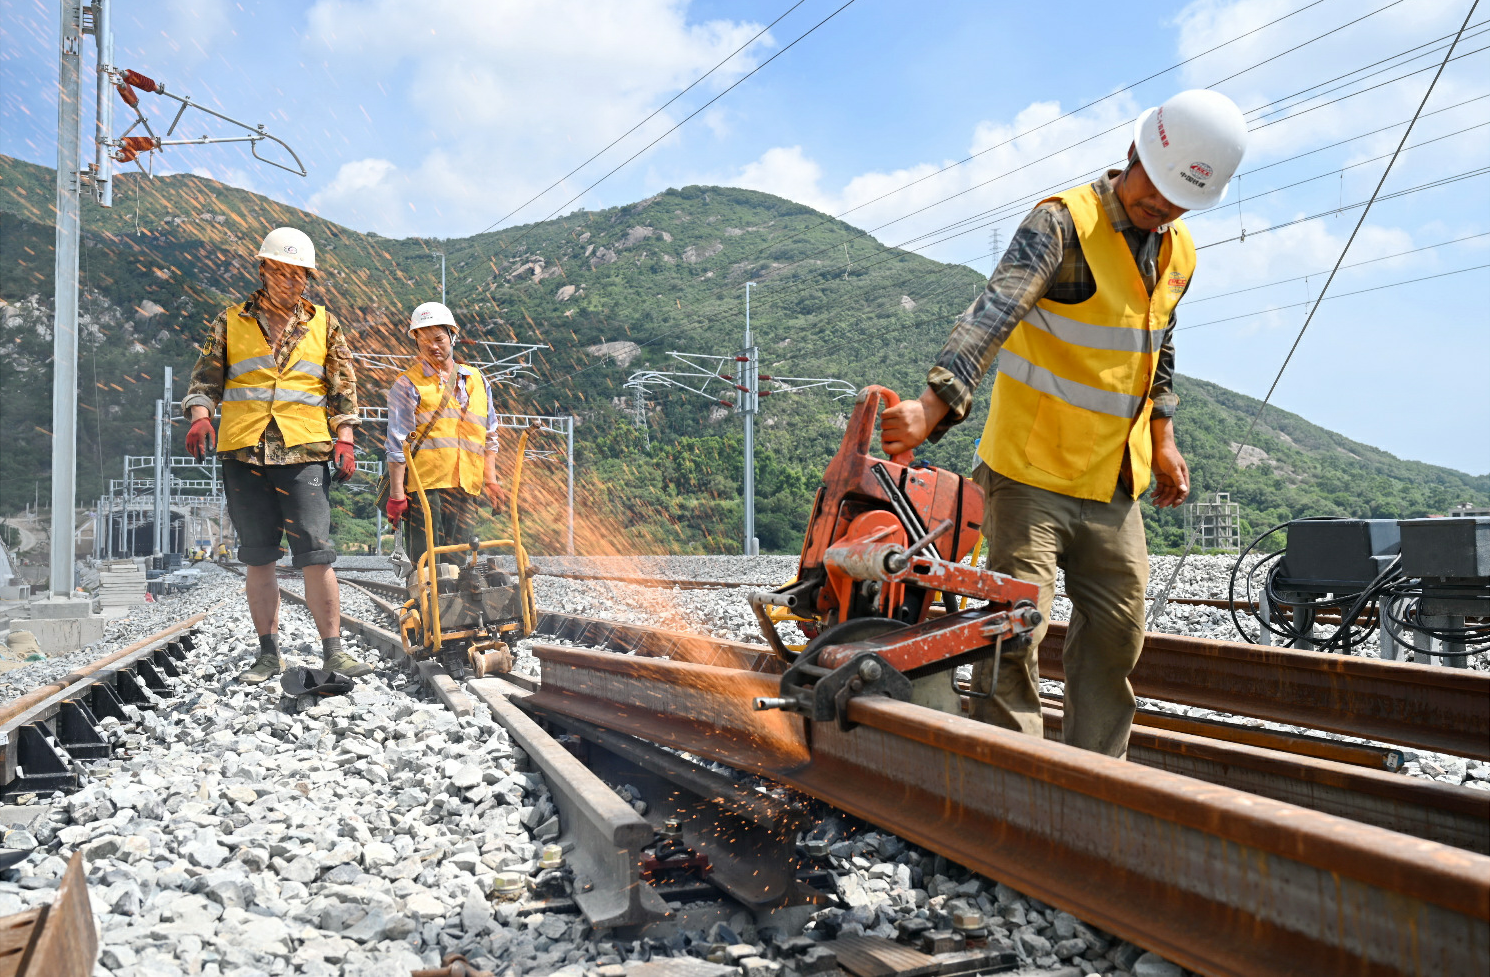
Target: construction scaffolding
(1215,525)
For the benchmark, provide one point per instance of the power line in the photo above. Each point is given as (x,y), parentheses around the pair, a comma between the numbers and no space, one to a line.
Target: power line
(685,119)
(1097,101)
(1158,605)
(1053,154)
(1466,175)
(808,281)
(655,112)
(1298,278)
(1341,295)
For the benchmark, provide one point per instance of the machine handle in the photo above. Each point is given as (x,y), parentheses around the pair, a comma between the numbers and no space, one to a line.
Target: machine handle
(871,395)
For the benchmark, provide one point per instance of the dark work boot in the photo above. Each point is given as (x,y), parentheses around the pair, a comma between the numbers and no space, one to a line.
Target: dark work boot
(333,659)
(267,665)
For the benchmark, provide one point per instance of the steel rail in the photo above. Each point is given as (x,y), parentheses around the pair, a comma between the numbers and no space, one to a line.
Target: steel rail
(1445,813)
(1218,880)
(70,703)
(1446,710)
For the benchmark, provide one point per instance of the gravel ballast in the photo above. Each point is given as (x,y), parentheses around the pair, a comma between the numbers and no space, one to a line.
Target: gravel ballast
(241,832)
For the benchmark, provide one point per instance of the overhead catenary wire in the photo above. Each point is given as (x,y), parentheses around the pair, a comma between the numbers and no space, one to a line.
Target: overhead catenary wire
(813,281)
(782,294)
(1298,278)
(684,121)
(1097,101)
(1067,182)
(1338,295)
(1158,604)
(654,113)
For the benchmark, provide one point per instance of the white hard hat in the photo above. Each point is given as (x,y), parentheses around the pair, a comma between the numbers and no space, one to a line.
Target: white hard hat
(1191,146)
(290,246)
(432,314)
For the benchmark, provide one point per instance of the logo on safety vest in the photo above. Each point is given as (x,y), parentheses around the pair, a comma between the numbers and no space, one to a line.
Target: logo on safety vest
(1177,284)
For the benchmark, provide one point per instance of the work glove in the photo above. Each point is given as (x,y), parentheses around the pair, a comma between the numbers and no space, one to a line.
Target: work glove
(200,438)
(396,509)
(343,461)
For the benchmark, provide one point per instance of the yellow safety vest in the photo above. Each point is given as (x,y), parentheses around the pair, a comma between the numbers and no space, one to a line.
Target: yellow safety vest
(454,452)
(1073,379)
(256,389)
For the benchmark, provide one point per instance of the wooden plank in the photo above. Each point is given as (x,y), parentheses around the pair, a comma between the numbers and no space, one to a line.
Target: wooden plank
(875,956)
(68,944)
(15,938)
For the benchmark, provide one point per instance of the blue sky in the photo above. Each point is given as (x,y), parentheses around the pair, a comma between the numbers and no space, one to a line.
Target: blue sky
(439,117)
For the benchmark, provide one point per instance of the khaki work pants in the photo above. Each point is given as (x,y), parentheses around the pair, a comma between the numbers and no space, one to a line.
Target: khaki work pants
(1028,533)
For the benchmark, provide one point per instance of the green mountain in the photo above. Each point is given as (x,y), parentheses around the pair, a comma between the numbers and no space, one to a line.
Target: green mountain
(609,292)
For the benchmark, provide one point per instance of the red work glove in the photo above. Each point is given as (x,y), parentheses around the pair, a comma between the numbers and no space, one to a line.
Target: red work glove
(343,461)
(200,438)
(396,509)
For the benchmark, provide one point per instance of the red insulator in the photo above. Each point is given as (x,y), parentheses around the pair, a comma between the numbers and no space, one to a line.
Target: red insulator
(726,403)
(128,94)
(766,376)
(725,376)
(745,389)
(764,393)
(742,359)
(140,144)
(144,84)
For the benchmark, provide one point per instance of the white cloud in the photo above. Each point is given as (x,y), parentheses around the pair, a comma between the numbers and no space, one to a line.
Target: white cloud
(192,28)
(515,94)
(787,172)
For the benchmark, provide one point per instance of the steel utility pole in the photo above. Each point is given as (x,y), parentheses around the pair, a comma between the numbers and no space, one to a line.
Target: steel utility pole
(65,296)
(749,403)
(77,20)
(746,381)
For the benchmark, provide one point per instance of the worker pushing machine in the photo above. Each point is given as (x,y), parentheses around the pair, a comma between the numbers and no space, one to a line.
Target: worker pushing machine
(281,370)
(1080,311)
(449,410)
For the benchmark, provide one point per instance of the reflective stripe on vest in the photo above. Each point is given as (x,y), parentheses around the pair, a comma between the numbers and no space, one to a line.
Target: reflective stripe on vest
(1072,392)
(256,390)
(1079,394)
(453,454)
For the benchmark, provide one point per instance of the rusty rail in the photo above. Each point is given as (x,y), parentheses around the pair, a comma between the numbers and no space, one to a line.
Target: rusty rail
(1218,880)
(1451,815)
(1446,710)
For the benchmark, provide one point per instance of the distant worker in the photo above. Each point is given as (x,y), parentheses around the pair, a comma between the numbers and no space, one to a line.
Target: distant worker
(282,371)
(450,411)
(1080,311)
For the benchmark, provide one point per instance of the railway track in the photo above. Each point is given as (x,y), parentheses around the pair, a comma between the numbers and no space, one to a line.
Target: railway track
(1224,847)
(1230,849)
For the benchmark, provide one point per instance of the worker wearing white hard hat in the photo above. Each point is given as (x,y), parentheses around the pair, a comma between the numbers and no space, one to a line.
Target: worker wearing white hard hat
(280,370)
(1080,313)
(442,419)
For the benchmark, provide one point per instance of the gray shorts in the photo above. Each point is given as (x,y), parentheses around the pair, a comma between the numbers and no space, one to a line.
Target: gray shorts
(270,502)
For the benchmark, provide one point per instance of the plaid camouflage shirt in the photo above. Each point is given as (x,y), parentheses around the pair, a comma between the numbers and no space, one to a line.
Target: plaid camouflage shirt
(1043,261)
(207,378)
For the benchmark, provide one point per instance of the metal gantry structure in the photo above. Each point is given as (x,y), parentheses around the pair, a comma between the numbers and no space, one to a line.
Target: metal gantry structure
(79,20)
(707,369)
(497,366)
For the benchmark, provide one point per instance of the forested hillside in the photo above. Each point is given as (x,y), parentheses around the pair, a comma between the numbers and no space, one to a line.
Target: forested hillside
(610,292)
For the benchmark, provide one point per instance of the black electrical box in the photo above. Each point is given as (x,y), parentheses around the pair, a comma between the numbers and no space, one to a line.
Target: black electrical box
(1455,547)
(1337,555)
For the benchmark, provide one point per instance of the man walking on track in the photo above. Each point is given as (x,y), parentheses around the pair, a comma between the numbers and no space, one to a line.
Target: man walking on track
(282,372)
(1080,311)
(449,409)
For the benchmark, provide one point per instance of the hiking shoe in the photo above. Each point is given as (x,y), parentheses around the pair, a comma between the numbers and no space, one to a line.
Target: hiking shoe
(265,667)
(340,661)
